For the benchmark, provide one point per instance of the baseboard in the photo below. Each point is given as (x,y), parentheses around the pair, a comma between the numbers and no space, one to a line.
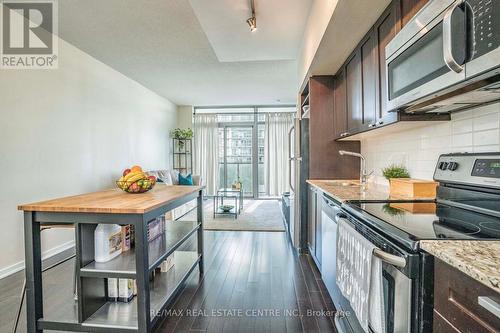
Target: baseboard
(49,257)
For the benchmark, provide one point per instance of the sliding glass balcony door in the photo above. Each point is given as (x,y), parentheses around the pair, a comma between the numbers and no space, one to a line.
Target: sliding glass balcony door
(242,145)
(236,162)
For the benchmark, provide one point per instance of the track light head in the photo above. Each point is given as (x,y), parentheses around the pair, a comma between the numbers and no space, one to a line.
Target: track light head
(252,23)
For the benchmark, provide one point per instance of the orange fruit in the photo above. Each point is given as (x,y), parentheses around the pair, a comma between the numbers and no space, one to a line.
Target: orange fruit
(136,168)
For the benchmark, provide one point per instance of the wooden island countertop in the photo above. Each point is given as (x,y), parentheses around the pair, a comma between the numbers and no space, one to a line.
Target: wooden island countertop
(114,201)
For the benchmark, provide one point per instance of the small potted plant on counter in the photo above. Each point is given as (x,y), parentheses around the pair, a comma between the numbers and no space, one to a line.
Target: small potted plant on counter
(404,187)
(395,172)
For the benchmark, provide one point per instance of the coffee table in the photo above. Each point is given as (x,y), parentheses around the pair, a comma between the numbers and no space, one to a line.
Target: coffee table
(228,193)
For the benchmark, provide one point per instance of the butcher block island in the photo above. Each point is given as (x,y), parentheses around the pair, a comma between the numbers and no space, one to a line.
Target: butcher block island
(143,255)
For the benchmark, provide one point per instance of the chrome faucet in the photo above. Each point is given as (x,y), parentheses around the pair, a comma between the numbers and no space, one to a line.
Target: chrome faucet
(362,171)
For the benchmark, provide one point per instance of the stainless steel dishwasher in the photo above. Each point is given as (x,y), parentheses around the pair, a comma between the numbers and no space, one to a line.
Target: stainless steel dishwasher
(330,212)
(329,209)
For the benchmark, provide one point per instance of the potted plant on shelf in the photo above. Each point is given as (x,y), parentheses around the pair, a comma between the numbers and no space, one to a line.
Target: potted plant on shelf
(181,135)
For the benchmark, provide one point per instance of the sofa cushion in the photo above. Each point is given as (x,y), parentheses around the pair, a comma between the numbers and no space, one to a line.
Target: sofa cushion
(171,177)
(163,175)
(174,174)
(186,180)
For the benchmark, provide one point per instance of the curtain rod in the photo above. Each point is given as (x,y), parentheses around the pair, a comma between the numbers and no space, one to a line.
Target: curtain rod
(242,113)
(244,106)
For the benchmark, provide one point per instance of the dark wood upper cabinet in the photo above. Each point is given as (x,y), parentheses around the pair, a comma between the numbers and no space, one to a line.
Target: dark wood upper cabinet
(354,77)
(409,8)
(369,67)
(360,85)
(324,159)
(385,30)
(339,105)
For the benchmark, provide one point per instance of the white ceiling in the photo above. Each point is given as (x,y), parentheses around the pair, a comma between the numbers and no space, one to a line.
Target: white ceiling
(162,45)
(280,25)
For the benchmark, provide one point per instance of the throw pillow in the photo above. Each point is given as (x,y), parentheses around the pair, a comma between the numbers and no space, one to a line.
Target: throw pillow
(185,180)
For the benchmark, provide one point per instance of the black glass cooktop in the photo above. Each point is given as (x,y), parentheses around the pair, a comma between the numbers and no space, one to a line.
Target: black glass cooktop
(430,220)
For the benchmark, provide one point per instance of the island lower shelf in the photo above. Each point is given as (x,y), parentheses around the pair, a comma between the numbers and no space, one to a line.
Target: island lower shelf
(123,316)
(123,266)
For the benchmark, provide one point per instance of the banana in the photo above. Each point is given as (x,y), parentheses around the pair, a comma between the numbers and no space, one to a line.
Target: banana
(131,174)
(121,182)
(138,176)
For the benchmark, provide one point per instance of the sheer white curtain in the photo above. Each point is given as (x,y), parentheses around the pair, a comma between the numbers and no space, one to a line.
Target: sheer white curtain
(276,164)
(206,150)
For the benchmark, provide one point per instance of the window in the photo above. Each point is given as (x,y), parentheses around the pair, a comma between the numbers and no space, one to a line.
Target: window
(242,146)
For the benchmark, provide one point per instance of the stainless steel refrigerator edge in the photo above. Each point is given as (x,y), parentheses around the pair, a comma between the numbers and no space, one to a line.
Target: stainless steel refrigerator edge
(299,173)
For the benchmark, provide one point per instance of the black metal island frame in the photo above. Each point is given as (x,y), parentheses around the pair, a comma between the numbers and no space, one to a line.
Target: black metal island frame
(92,312)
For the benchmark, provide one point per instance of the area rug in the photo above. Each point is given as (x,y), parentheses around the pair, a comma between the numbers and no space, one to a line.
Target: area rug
(257,215)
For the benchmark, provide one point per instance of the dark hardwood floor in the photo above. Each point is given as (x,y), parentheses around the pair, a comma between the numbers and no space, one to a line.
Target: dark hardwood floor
(259,283)
(253,282)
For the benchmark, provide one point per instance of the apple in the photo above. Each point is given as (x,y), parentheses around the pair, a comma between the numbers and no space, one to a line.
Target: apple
(152,179)
(134,188)
(126,171)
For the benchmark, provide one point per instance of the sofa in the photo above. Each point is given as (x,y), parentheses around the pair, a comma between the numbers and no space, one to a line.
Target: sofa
(171,177)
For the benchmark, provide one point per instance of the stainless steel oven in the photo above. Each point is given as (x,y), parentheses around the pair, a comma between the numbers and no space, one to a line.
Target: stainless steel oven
(400,279)
(450,48)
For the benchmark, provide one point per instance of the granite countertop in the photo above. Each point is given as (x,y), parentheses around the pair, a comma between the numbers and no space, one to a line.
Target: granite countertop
(345,190)
(478,259)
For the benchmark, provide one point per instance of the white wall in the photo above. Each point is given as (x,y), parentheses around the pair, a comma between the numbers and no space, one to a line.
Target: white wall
(70,131)
(319,16)
(185,116)
(476,130)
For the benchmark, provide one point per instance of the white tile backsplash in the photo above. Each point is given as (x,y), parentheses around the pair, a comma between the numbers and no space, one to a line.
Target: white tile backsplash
(486,122)
(489,137)
(475,130)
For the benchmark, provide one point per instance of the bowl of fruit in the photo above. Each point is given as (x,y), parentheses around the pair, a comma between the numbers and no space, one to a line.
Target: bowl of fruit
(134,180)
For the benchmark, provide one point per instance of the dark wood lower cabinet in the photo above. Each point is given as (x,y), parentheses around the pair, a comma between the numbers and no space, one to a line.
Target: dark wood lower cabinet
(442,325)
(459,302)
(311,220)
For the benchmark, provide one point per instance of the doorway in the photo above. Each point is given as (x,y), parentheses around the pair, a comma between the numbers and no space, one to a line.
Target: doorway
(236,157)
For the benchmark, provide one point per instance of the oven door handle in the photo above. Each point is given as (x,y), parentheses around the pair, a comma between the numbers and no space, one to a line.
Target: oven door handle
(390,258)
(447,39)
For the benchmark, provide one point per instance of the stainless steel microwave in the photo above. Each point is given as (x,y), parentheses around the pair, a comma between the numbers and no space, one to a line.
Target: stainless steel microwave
(446,58)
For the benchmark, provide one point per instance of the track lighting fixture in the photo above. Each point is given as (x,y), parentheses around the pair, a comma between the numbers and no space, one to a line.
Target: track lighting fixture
(252,21)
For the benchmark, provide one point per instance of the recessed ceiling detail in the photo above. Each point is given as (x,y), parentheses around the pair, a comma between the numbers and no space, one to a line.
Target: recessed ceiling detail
(162,45)
(280,28)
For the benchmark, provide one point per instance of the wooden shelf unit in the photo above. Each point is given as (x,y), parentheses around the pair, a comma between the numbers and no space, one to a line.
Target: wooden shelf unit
(183,155)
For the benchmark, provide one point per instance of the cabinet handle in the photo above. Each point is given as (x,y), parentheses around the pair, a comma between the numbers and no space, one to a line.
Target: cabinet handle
(489,304)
